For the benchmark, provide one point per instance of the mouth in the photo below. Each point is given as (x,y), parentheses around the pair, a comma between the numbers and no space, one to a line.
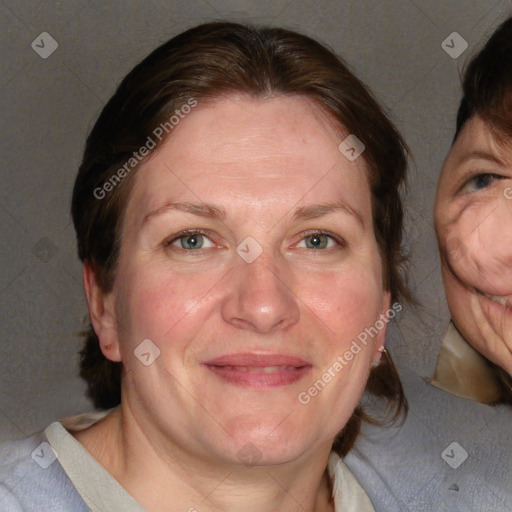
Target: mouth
(503,300)
(259,370)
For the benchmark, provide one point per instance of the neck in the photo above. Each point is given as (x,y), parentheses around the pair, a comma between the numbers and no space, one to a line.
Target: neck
(167,478)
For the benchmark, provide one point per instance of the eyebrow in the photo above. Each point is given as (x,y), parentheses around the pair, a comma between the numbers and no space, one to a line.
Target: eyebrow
(320,210)
(481,155)
(210,211)
(202,210)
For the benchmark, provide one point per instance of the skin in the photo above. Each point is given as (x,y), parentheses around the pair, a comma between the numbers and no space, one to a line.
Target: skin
(175,438)
(473,218)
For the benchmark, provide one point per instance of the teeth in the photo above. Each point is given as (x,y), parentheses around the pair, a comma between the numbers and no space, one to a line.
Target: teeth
(272,369)
(504,301)
(500,300)
(496,298)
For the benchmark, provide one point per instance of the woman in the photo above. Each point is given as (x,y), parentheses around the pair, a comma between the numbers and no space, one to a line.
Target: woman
(239,221)
(474,228)
(459,450)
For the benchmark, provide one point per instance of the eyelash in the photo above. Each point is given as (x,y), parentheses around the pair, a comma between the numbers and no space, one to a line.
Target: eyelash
(184,234)
(472,179)
(338,240)
(191,232)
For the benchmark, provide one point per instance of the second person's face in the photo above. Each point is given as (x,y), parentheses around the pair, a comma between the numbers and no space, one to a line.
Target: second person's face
(473,217)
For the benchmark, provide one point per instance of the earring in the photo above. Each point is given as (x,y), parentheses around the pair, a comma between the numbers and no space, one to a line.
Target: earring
(376,363)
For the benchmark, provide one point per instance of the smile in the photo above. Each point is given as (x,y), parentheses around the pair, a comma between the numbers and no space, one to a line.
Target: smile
(504,300)
(259,371)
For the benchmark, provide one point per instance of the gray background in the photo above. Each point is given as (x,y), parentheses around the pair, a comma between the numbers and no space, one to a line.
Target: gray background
(49,105)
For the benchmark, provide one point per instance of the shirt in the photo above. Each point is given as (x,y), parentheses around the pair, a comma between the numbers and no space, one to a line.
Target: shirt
(52,471)
(452,454)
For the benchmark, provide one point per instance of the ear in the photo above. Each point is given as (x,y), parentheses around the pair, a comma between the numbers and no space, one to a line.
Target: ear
(102,313)
(380,338)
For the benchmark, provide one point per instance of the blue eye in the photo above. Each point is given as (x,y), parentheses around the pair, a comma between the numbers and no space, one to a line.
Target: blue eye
(318,241)
(481,181)
(191,241)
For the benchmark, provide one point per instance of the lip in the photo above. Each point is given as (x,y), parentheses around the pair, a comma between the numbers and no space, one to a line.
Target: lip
(259,370)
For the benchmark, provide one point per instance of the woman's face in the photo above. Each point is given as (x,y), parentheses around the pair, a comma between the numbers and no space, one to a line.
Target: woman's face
(473,218)
(249,260)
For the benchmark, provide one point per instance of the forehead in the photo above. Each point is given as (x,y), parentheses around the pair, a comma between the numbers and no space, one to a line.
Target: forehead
(265,119)
(240,145)
(478,140)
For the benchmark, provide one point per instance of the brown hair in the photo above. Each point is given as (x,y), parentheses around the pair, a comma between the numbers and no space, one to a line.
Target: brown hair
(207,62)
(487,83)
(487,93)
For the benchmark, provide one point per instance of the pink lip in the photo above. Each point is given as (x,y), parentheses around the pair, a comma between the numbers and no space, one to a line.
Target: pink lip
(248,369)
(249,359)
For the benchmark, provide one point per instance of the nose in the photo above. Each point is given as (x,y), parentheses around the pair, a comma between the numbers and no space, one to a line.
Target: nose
(259,297)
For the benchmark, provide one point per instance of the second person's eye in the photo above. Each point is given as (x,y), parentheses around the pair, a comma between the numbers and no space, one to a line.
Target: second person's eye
(481,181)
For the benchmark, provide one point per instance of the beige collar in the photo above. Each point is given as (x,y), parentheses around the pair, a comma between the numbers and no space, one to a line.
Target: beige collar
(464,372)
(347,492)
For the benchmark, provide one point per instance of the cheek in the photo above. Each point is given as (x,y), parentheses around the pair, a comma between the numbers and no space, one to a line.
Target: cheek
(173,309)
(458,298)
(156,303)
(346,304)
(478,247)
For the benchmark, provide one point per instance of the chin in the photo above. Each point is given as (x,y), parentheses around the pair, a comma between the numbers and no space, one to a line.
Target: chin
(486,325)
(270,440)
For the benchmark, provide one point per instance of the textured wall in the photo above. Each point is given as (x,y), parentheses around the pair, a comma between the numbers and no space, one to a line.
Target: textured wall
(49,104)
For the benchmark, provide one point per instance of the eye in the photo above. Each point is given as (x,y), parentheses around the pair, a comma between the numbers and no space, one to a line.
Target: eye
(481,181)
(190,241)
(318,240)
